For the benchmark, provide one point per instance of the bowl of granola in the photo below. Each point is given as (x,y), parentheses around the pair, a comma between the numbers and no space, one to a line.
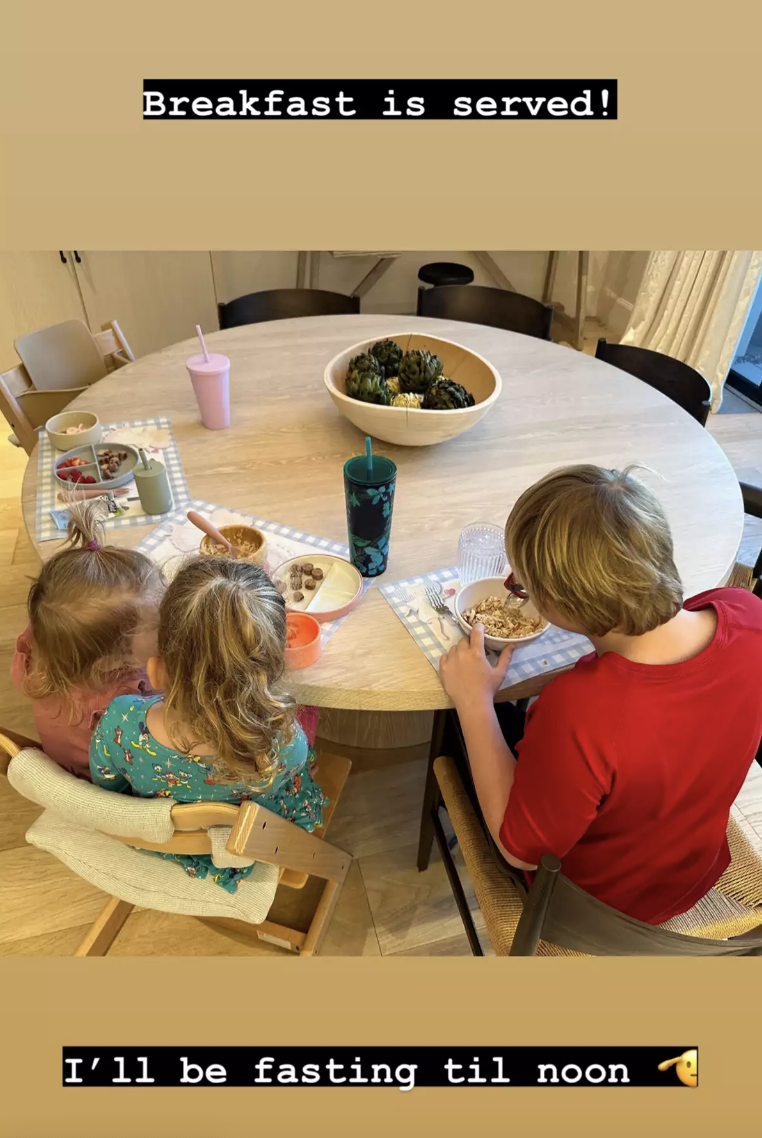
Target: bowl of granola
(505,621)
(250,543)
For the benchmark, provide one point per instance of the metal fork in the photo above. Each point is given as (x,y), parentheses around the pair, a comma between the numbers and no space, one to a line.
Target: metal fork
(436,600)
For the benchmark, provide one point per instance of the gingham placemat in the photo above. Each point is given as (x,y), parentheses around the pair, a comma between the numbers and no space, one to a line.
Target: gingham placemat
(435,635)
(134,515)
(176,539)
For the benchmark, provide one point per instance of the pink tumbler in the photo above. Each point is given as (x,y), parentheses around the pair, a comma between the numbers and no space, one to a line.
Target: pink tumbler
(211,384)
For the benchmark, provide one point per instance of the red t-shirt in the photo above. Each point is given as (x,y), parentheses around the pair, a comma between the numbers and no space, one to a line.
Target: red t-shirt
(627,771)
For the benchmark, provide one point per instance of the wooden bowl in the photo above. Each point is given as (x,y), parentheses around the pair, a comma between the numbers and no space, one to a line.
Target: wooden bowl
(238,535)
(340,591)
(57,427)
(470,595)
(303,647)
(414,427)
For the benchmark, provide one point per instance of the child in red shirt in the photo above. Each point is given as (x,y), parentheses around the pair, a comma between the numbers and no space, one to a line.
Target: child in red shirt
(630,762)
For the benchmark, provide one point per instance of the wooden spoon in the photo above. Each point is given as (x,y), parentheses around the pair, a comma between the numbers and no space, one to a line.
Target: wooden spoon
(207,528)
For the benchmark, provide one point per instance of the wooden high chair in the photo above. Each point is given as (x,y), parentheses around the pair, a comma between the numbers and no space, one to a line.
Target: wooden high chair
(27,405)
(91,830)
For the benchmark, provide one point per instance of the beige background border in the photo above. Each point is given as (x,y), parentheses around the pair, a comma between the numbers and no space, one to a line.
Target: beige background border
(79,168)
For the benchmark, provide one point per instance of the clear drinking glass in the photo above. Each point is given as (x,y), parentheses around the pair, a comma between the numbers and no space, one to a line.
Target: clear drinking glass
(481,553)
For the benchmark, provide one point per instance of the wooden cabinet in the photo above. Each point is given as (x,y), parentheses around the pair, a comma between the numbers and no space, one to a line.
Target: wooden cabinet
(158,298)
(36,289)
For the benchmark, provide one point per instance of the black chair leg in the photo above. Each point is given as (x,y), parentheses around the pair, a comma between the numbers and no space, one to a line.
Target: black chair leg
(457,889)
(432,796)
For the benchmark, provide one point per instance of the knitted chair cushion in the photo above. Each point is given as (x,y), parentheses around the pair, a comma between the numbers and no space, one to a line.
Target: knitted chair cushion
(143,879)
(38,778)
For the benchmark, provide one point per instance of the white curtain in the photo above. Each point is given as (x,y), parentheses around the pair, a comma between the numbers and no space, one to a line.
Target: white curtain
(692,306)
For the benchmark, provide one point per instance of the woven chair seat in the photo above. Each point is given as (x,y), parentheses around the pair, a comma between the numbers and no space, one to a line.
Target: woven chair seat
(741,577)
(732,907)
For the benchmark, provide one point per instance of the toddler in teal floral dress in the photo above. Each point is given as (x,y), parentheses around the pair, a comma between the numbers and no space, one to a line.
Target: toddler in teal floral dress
(223,730)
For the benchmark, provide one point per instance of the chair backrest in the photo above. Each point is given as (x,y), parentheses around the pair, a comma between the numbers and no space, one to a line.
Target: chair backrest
(678,381)
(112,344)
(559,912)
(62,355)
(752,505)
(283,303)
(495,307)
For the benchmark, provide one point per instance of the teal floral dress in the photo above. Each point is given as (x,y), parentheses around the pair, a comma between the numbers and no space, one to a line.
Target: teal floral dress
(124,756)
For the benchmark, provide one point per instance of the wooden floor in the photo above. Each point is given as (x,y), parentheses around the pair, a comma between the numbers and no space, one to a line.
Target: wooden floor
(386,907)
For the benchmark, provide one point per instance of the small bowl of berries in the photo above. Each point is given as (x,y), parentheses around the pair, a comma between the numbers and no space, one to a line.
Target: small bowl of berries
(102,467)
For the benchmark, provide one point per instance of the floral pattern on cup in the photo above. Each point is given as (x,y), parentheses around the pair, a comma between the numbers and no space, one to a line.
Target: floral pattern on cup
(369,554)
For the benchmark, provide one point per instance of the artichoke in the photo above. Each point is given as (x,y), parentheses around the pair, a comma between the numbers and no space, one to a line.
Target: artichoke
(365,381)
(393,383)
(417,372)
(447,395)
(362,365)
(407,401)
(388,355)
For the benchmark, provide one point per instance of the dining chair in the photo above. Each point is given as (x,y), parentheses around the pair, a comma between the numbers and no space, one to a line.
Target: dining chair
(495,307)
(678,381)
(748,576)
(68,355)
(554,917)
(284,303)
(103,838)
(27,405)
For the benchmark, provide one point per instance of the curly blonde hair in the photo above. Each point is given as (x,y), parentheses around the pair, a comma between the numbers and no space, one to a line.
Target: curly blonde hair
(222,641)
(85,608)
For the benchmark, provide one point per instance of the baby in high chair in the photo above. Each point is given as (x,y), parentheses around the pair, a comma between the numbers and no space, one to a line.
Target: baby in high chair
(93,613)
(224,729)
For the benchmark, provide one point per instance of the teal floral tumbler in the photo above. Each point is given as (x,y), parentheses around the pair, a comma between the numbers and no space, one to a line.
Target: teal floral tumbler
(370,498)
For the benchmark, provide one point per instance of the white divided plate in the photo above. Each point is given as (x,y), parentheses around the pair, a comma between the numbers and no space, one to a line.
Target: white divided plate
(336,593)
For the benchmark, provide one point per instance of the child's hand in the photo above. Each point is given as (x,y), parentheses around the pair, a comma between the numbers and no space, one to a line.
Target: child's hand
(467,675)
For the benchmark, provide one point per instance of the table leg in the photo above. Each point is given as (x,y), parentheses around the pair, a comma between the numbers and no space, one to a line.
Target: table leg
(375,730)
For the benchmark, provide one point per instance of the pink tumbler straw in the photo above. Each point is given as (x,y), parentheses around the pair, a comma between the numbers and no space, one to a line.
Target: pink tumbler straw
(210,376)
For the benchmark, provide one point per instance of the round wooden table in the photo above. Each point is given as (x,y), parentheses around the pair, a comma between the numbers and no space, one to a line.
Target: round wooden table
(283,455)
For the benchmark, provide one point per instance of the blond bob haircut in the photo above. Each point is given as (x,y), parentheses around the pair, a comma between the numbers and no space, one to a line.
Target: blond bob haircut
(595,544)
(222,642)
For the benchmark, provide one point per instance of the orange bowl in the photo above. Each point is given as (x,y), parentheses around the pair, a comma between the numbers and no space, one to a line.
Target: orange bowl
(303,645)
